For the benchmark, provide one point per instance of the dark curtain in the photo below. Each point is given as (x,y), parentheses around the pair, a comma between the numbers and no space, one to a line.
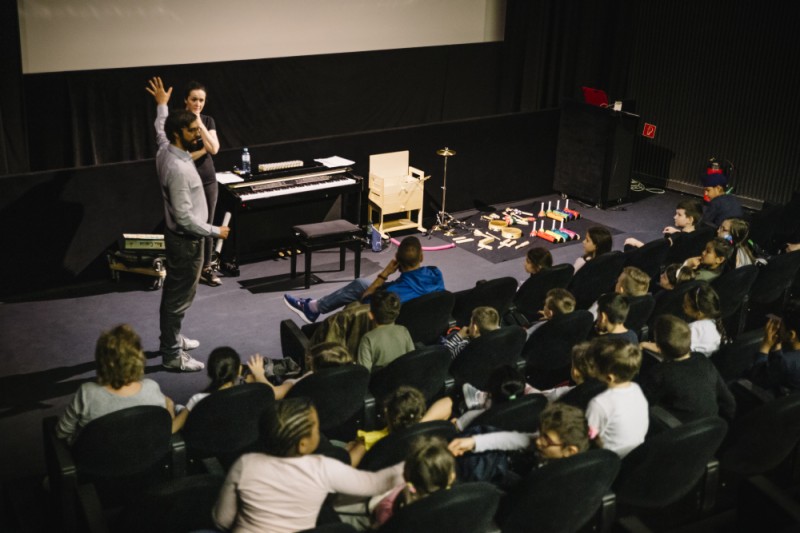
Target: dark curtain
(562,45)
(97,117)
(13,142)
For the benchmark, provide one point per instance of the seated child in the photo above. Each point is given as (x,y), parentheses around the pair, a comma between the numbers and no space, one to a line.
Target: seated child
(557,302)
(429,467)
(120,384)
(632,283)
(401,409)
(687,216)
(712,261)
(620,414)
(701,305)
(563,432)
(224,369)
(778,362)
(720,204)
(612,311)
(737,232)
(283,489)
(484,319)
(537,260)
(597,241)
(673,275)
(388,340)
(686,384)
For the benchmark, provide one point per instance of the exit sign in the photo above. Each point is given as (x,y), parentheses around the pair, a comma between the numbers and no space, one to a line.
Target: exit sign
(649,131)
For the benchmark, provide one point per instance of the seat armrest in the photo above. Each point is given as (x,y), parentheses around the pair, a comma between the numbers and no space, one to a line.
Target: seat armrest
(91,509)
(710,483)
(665,417)
(294,343)
(178,459)
(62,473)
(759,394)
(607,514)
(370,412)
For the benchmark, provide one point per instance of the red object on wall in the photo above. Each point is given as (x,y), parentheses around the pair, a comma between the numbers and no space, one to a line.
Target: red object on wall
(649,131)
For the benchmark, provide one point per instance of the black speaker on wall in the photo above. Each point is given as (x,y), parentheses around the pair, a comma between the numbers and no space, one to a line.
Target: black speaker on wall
(595,148)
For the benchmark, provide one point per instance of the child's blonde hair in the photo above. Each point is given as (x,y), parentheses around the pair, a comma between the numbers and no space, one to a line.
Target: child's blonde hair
(559,302)
(634,281)
(615,357)
(569,423)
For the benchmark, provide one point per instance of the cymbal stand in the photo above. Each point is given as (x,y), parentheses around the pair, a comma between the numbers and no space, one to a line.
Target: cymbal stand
(445,222)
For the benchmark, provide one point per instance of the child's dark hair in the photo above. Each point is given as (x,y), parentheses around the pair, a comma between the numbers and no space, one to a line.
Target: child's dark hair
(673,336)
(409,253)
(615,356)
(286,424)
(615,306)
(704,302)
(676,274)
(540,257)
(691,208)
(429,467)
(570,424)
(404,407)
(329,355)
(582,361)
(224,366)
(385,307)
(602,240)
(505,383)
(722,248)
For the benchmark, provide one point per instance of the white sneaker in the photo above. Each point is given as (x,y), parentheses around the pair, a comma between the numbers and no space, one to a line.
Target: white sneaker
(474,397)
(184,363)
(189,344)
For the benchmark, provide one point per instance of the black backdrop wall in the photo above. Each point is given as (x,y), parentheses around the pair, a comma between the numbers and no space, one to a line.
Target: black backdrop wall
(715,76)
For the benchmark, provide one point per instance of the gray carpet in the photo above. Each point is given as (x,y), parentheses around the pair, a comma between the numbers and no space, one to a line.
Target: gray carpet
(47,343)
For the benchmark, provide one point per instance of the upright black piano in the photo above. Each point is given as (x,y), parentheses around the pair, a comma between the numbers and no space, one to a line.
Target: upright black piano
(267,204)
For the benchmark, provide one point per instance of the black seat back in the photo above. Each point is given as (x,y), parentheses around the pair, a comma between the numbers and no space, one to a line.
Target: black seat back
(762,438)
(427,317)
(424,368)
(596,277)
(491,350)
(337,393)
(123,443)
(497,293)
(562,495)
(394,447)
(225,424)
(529,299)
(667,465)
(641,307)
(689,245)
(520,414)
(548,351)
(649,258)
(463,507)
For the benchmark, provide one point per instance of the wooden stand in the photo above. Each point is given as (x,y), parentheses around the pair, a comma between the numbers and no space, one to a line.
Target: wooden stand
(395,188)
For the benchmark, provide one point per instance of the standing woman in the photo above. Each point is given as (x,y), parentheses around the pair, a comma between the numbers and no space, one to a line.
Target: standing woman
(202,150)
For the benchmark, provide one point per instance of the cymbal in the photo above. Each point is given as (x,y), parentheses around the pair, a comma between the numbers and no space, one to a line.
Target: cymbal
(446,152)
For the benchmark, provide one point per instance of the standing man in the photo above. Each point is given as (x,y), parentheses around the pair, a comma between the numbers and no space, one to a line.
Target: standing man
(186,215)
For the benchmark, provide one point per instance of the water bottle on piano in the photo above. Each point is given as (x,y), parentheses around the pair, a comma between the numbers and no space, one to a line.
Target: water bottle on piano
(246,161)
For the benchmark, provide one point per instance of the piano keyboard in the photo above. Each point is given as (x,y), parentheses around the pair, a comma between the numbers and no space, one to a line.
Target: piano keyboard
(294,185)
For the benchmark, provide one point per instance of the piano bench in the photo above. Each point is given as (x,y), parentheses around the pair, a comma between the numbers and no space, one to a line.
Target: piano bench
(326,235)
